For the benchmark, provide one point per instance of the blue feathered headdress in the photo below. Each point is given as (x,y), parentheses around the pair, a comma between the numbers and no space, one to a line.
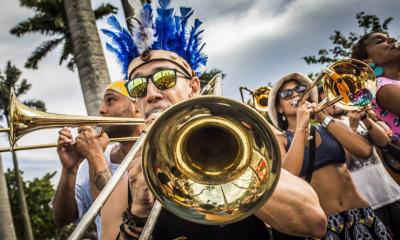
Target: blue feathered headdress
(164,32)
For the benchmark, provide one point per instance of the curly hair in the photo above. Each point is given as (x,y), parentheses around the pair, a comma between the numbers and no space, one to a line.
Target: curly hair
(359,50)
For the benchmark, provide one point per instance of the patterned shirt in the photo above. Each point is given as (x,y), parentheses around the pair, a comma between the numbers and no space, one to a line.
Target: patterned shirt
(389,118)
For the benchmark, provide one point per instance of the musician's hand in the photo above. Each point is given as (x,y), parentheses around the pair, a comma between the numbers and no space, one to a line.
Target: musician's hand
(66,149)
(303,115)
(142,198)
(354,119)
(89,144)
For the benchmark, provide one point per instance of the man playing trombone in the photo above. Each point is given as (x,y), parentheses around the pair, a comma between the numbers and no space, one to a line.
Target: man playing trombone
(81,183)
(164,74)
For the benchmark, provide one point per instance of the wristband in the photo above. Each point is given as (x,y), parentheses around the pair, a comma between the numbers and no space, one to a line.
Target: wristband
(132,220)
(326,121)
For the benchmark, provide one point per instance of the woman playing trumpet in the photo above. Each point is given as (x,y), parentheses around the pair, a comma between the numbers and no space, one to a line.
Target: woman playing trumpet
(322,160)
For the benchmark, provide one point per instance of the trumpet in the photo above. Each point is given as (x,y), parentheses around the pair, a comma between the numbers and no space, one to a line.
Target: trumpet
(349,83)
(24,120)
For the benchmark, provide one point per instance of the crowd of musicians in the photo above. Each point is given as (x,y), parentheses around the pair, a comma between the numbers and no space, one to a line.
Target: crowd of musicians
(333,183)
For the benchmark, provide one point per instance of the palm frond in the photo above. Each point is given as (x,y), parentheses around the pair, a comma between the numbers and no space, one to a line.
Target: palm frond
(22,88)
(41,52)
(36,104)
(104,10)
(43,24)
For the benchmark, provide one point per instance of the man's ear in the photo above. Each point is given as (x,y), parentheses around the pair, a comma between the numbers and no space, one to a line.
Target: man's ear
(194,86)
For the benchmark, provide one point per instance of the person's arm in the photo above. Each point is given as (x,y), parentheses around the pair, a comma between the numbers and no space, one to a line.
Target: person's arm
(354,143)
(376,133)
(294,208)
(65,208)
(111,213)
(293,159)
(388,97)
(91,146)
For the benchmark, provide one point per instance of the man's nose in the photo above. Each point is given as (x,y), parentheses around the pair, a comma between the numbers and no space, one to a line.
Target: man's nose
(102,110)
(153,93)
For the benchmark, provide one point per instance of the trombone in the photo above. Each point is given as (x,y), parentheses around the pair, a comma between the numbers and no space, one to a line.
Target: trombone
(208,160)
(259,98)
(24,120)
(349,83)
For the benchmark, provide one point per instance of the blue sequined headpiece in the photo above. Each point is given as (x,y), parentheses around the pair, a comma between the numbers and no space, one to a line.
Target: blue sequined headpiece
(164,32)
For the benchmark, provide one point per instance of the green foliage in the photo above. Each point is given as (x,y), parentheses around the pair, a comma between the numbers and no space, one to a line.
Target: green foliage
(206,76)
(342,43)
(38,194)
(10,80)
(50,20)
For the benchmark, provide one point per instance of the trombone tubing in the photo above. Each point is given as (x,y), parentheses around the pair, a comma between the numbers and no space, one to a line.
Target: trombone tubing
(52,145)
(107,190)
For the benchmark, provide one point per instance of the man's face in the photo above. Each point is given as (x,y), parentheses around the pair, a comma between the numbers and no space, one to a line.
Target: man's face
(116,105)
(156,99)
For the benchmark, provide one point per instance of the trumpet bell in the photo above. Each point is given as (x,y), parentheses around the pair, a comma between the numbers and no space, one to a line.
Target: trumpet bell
(261,98)
(356,84)
(216,161)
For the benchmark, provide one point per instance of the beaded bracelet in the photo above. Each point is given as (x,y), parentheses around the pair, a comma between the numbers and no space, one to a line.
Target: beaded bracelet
(132,221)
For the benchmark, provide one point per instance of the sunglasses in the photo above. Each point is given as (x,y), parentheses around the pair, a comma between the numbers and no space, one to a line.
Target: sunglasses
(163,80)
(288,93)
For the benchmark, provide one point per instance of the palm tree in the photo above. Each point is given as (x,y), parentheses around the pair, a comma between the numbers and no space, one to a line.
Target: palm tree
(73,24)
(7,230)
(11,81)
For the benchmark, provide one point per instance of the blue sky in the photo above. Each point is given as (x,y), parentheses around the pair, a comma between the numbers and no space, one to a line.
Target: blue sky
(253,42)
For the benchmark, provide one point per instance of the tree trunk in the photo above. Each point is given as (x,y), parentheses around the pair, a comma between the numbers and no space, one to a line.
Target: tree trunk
(7,230)
(23,207)
(88,53)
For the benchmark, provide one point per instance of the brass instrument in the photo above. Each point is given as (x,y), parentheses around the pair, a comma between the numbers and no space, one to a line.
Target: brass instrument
(208,160)
(259,97)
(349,83)
(24,120)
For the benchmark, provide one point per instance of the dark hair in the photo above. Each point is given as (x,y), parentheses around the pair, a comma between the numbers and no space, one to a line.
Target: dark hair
(359,50)
(282,123)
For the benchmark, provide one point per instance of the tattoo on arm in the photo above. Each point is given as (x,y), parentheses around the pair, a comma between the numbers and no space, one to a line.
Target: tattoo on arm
(101,179)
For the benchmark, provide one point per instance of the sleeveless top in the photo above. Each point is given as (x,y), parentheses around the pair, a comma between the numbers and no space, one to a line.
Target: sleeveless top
(330,151)
(169,226)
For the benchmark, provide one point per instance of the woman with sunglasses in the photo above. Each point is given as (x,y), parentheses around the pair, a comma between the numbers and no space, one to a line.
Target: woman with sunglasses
(324,165)
(383,55)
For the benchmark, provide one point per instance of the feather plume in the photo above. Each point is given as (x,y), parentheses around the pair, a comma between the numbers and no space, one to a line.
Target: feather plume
(166,31)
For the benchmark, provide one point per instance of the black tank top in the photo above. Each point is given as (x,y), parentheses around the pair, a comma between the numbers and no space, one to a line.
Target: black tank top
(330,151)
(169,226)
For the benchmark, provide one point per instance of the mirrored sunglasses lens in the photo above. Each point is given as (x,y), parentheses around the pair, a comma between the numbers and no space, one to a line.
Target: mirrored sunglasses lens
(137,87)
(286,94)
(301,89)
(164,79)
